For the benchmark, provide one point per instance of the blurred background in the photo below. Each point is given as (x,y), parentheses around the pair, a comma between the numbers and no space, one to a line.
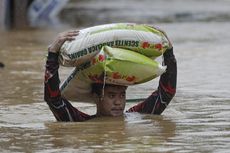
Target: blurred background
(197,119)
(43,13)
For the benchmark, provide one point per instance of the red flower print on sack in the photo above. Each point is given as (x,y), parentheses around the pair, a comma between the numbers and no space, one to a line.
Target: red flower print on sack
(130,78)
(158,46)
(101,58)
(145,45)
(116,75)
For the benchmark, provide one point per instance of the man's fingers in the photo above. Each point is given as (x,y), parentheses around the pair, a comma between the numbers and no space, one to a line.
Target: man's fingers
(71,33)
(60,40)
(67,38)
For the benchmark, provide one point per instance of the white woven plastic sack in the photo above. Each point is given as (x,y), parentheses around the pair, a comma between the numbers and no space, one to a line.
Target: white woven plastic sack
(143,39)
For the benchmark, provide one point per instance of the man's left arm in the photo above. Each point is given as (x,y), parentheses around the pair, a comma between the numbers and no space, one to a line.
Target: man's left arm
(159,99)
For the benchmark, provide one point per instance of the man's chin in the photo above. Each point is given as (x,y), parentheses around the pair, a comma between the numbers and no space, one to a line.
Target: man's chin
(117,113)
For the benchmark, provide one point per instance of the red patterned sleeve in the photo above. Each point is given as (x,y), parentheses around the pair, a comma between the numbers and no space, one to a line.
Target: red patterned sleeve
(159,99)
(61,108)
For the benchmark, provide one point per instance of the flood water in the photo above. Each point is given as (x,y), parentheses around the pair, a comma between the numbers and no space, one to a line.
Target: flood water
(197,119)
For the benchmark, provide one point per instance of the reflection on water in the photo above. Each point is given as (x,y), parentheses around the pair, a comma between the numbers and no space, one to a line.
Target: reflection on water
(197,120)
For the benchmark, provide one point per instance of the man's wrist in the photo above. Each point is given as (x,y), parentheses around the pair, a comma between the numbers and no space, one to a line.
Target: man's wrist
(52,56)
(168,53)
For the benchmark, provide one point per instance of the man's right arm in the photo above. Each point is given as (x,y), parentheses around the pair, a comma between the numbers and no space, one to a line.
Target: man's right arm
(61,108)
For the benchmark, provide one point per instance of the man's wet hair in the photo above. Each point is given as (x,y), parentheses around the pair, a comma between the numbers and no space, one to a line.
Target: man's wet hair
(98,87)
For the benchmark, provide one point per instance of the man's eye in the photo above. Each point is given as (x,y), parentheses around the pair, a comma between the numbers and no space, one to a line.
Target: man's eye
(123,96)
(111,96)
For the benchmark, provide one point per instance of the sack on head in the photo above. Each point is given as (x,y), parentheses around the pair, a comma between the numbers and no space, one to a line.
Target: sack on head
(140,38)
(111,66)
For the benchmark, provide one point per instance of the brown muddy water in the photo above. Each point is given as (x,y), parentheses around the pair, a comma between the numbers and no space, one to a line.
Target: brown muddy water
(197,119)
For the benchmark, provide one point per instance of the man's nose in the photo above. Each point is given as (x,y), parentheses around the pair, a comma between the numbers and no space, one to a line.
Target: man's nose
(118,101)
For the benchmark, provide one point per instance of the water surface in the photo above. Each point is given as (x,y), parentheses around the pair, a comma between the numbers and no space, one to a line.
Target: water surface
(197,119)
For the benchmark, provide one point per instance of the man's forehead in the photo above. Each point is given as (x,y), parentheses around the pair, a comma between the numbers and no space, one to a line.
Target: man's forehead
(115,88)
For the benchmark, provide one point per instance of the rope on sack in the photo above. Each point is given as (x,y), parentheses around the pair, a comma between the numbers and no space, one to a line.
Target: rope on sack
(163,60)
(104,78)
(104,81)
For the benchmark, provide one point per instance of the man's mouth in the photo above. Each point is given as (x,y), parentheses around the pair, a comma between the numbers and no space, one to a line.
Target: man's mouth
(117,111)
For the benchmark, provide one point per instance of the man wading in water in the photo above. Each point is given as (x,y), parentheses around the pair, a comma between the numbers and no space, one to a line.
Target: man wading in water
(112,102)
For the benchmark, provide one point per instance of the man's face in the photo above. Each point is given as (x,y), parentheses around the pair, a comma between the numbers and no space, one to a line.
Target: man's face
(113,101)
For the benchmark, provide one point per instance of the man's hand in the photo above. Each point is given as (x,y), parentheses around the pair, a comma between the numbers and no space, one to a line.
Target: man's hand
(55,46)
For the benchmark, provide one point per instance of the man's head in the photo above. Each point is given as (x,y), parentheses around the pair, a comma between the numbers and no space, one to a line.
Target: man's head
(110,99)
